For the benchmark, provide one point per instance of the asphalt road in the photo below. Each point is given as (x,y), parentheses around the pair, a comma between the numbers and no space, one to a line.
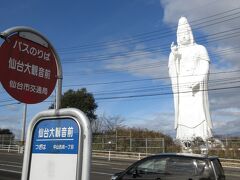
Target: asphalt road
(102,169)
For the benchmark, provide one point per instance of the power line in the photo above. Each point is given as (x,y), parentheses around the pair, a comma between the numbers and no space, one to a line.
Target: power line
(161,87)
(157,38)
(163,49)
(144,95)
(159,94)
(147,34)
(145,66)
(10,104)
(141,80)
(141,52)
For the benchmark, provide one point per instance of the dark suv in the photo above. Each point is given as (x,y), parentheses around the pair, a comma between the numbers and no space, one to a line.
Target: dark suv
(174,167)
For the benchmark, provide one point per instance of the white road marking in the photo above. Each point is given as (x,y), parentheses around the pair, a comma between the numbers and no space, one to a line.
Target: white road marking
(95,172)
(11,171)
(11,162)
(112,163)
(120,169)
(10,165)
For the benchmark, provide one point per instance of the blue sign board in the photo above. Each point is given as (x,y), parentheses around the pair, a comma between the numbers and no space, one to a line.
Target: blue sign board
(56,136)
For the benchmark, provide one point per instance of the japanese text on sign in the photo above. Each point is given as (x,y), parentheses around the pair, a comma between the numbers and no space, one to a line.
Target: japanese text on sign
(57,132)
(28,87)
(24,47)
(28,68)
(42,147)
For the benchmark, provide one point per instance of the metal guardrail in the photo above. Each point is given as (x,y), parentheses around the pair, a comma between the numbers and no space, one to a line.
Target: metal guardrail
(12,148)
(119,155)
(230,163)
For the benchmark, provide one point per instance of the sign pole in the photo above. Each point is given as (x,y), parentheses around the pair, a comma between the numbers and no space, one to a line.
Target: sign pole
(24,124)
(59,93)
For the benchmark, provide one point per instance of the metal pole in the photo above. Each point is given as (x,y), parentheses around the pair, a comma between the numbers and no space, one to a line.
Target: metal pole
(116,140)
(207,146)
(109,155)
(163,141)
(130,140)
(59,93)
(146,146)
(102,143)
(24,124)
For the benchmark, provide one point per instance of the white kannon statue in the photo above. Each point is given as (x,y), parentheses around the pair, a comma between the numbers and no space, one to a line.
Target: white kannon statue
(189,70)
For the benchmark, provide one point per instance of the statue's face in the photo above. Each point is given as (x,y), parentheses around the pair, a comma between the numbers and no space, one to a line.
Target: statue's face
(184,37)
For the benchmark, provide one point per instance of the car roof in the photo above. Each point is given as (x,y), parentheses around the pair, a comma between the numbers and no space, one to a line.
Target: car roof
(191,155)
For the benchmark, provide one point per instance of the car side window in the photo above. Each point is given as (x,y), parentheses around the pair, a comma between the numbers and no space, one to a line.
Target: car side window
(152,166)
(146,166)
(160,164)
(181,166)
(201,166)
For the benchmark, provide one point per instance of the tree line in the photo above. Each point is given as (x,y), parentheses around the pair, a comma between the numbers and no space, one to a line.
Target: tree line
(107,128)
(111,133)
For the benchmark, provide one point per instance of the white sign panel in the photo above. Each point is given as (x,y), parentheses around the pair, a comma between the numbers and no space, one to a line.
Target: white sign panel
(54,150)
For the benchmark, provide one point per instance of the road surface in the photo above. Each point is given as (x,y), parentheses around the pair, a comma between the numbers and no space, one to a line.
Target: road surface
(102,169)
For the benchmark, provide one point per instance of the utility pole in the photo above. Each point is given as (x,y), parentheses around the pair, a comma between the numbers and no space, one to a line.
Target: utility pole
(130,144)
(116,139)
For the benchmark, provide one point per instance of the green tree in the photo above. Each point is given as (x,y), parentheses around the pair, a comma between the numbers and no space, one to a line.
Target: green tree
(106,123)
(6,132)
(6,136)
(80,99)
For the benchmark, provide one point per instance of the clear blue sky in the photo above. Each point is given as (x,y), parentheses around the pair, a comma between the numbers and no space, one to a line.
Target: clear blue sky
(120,48)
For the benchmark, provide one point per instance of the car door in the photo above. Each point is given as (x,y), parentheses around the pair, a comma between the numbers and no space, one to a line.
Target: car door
(151,169)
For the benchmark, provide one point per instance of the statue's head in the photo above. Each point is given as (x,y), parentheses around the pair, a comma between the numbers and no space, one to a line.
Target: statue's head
(184,32)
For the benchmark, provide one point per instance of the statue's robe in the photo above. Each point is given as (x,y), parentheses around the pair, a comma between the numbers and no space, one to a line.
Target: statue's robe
(189,76)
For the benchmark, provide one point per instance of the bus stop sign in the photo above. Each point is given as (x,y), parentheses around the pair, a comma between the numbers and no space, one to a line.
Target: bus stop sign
(28,69)
(55,149)
(58,146)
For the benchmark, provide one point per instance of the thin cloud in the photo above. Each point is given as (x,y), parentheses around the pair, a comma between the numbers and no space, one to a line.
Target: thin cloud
(227,128)
(144,64)
(163,122)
